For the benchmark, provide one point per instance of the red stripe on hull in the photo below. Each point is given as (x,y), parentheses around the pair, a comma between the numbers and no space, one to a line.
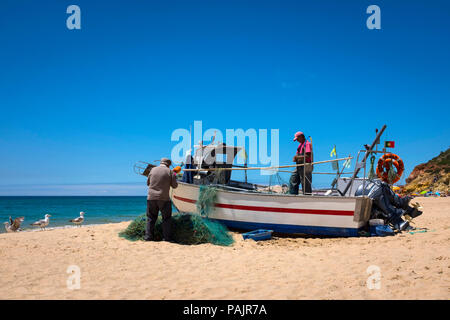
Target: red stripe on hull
(271,209)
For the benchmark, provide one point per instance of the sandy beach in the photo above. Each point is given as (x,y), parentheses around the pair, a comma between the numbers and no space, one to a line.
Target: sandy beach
(412,266)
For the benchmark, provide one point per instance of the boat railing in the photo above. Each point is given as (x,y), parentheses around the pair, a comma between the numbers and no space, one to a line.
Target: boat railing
(357,161)
(362,164)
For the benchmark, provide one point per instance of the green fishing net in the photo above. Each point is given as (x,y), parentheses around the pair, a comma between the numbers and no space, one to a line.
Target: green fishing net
(187,228)
(392,174)
(206,199)
(372,174)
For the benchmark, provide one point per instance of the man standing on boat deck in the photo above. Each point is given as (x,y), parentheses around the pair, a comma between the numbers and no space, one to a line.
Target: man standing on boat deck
(159,181)
(302,174)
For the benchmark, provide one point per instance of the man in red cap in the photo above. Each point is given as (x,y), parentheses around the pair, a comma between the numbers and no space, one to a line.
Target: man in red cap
(302,174)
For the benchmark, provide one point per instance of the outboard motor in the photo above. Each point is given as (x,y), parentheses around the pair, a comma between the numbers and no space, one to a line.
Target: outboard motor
(387,205)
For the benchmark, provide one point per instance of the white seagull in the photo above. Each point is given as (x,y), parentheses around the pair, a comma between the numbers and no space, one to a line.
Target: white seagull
(43,222)
(15,224)
(78,221)
(7,227)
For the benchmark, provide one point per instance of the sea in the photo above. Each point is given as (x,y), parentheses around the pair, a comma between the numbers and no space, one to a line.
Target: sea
(98,210)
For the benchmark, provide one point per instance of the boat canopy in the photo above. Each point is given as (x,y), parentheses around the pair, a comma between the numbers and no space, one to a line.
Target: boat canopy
(215,155)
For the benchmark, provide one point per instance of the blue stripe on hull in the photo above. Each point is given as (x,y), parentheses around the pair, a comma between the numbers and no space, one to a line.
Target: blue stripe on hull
(288,228)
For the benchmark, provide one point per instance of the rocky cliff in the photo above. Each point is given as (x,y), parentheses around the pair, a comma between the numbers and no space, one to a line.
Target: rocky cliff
(431,176)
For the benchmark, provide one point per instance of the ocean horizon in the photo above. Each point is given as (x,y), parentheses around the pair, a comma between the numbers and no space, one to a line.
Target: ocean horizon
(98,209)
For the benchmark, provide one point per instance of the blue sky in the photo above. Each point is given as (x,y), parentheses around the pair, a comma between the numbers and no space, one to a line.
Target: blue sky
(80,107)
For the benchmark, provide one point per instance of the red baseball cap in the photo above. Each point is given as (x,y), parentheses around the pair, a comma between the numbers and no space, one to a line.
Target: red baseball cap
(298,134)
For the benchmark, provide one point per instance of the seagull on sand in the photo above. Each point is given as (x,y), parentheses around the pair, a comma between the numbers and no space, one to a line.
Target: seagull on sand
(43,222)
(15,225)
(7,227)
(78,221)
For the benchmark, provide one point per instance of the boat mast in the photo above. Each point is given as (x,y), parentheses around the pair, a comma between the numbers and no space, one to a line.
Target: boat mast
(363,162)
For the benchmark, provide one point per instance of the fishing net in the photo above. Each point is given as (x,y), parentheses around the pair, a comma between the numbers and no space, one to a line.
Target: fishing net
(372,174)
(206,199)
(281,187)
(221,176)
(392,174)
(186,229)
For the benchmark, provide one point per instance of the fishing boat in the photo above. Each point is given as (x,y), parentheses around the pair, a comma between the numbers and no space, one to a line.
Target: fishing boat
(250,210)
(242,205)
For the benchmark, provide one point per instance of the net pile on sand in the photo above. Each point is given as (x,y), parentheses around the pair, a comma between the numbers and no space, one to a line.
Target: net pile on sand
(186,228)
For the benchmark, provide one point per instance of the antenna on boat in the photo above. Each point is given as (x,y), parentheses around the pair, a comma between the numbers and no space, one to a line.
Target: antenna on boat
(363,162)
(190,140)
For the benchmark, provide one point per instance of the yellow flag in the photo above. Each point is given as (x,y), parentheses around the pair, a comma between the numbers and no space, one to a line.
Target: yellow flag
(333,152)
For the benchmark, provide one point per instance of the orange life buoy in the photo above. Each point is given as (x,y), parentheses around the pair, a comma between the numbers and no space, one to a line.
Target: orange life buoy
(384,164)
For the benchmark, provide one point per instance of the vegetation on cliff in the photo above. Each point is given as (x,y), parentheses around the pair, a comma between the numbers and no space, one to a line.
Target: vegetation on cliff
(431,176)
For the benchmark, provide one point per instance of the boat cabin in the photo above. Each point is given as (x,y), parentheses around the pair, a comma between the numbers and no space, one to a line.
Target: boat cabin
(217,156)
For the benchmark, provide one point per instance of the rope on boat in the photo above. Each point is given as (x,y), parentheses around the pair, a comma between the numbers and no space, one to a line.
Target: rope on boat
(268,168)
(333,173)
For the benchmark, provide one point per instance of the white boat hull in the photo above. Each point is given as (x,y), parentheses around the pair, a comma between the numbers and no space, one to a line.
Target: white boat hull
(317,215)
